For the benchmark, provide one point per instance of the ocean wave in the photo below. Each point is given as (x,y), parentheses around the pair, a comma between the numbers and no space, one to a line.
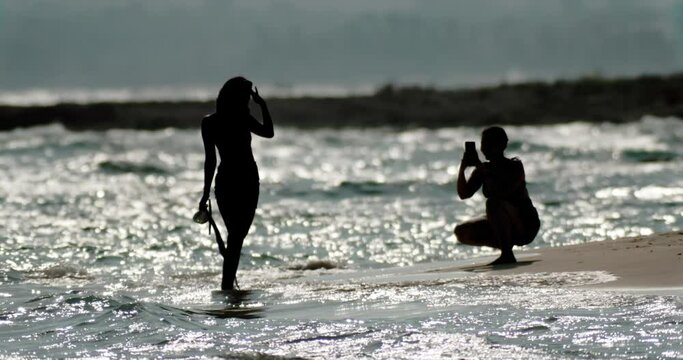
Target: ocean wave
(315,265)
(346,188)
(60,271)
(366,187)
(11,276)
(123,167)
(228,312)
(109,260)
(196,275)
(44,96)
(83,298)
(330,337)
(258,356)
(351,188)
(648,155)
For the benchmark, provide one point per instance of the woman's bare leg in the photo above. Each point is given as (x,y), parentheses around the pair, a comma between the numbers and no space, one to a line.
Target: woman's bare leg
(231,258)
(238,215)
(503,218)
(476,232)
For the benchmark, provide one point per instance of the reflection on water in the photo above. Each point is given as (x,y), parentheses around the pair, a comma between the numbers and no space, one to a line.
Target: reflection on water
(99,256)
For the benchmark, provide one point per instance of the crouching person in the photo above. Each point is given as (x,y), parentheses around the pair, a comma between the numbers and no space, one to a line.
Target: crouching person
(511,218)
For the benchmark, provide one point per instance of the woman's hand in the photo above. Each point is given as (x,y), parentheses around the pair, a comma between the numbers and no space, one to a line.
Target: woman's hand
(202,203)
(265,128)
(257,98)
(468,161)
(467,187)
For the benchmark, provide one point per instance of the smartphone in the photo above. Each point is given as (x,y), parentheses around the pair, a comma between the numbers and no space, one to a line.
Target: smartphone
(471,155)
(470,147)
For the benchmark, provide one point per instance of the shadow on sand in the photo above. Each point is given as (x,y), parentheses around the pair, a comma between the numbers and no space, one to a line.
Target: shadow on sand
(491,267)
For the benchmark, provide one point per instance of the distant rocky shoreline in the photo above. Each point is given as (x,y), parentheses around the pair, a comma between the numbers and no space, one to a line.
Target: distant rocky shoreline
(587,99)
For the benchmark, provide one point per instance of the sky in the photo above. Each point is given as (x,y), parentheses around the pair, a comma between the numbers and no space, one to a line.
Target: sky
(352,44)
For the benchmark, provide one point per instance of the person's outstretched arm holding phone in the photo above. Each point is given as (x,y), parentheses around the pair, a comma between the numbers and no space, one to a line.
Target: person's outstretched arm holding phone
(467,187)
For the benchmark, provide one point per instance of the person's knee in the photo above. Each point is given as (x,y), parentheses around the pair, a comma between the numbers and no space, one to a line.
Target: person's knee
(241,235)
(462,233)
(457,231)
(239,228)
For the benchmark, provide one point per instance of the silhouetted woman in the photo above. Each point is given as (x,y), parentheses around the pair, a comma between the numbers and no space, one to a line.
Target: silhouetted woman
(511,219)
(237,183)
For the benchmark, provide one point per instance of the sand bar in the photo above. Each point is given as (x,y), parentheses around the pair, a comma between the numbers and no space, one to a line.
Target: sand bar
(654,261)
(534,103)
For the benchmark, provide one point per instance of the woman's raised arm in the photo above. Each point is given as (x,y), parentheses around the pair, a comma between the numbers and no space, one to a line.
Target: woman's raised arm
(467,187)
(264,129)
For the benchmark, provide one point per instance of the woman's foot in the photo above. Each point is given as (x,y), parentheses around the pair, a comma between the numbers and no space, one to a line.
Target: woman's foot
(506,257)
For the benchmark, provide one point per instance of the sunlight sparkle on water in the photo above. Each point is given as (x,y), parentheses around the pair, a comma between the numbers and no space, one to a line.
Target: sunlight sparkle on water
(100,253)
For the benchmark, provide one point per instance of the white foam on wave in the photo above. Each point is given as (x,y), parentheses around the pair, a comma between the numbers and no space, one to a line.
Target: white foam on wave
(45,96)
(315,265)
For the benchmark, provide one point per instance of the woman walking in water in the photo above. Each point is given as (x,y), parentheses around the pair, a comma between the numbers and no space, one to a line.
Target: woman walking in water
(511,219)
(237,183)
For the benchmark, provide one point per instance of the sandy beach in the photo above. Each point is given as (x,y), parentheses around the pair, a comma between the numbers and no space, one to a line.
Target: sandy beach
(654,261)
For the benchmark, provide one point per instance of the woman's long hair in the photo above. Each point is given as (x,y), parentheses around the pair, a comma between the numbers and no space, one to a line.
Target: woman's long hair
(234,97)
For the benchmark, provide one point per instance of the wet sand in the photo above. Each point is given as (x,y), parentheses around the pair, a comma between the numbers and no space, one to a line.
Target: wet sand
(653,262)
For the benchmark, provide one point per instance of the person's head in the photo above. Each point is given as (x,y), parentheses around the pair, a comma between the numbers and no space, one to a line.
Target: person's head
(234,96)
(494,140)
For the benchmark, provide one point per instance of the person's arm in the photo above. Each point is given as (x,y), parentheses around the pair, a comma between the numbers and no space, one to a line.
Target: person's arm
(209,162)
(467,187)
(264,129)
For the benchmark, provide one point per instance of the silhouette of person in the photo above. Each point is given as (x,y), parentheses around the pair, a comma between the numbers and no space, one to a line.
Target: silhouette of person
(237,182)
(511,218)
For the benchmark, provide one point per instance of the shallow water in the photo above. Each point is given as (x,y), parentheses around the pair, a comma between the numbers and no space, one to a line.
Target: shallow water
(99,257)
